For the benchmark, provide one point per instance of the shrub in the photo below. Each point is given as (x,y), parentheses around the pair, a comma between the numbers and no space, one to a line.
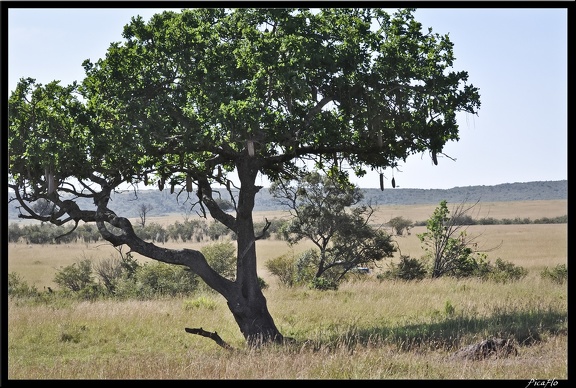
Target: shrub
(504,271)
(306,266)
(216,230)
(110,272)
(558,274)
(284,267)
(14,232)
(160,279)
(200,302)
(18,287)
(323,284)
(75,276)
(262,283)
(407,269)
(222,258)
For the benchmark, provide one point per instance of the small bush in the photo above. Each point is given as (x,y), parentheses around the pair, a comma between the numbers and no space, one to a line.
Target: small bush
(18,287)
(202,302)
(284,268)
(504,271)
(306,267)
(262,283)
(449,309)
(558,274)
(76,276)
(160,279)
(222,258)
(407,269)
(323,284)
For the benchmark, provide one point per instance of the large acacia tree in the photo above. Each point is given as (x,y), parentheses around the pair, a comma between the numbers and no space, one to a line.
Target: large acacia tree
(188,97)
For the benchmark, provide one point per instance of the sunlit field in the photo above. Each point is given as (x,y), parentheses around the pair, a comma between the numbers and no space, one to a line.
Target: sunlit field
(368,329)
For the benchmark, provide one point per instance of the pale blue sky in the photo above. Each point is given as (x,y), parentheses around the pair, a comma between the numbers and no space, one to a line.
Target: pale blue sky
(516,56)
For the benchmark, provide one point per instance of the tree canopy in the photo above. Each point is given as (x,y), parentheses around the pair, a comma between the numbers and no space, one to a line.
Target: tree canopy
(190,96)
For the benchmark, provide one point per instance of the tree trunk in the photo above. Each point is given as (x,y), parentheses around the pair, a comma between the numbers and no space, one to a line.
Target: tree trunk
(244,295)
(253,319)
(247,302)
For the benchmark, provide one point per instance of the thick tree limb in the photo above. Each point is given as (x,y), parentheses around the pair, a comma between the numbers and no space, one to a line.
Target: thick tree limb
(210,335)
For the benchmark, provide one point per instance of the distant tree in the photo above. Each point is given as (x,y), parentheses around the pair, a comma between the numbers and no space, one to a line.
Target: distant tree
(324,211)
(43,207)
(188,97)
(143,211)
(399,224)
(224,204)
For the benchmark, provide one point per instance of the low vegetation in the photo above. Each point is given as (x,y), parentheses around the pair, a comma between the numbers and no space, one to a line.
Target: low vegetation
(114,316)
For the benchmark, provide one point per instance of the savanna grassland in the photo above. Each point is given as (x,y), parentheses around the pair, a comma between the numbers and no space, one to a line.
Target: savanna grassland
(368,329)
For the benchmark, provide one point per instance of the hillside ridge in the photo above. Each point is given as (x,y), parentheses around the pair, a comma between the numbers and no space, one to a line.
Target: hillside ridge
(126,204)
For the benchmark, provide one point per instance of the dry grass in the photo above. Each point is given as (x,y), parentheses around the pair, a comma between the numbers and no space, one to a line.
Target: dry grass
(365,330)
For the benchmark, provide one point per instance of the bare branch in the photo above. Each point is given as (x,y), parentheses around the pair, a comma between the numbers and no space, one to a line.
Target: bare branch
(214,336)
(263,234)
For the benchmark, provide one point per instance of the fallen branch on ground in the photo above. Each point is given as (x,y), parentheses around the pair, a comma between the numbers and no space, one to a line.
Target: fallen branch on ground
(210,335)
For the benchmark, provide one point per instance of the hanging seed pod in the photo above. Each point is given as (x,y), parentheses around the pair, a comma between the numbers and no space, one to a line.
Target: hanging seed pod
(380,139)
(219,172)
(434,158)
(393,183)
(145,179)
(382,181)
(250,146)
(172,187)
(188,183)
(50,180)
(161,184)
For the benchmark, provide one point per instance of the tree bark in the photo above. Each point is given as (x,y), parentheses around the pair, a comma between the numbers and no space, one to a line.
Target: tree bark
(247,303)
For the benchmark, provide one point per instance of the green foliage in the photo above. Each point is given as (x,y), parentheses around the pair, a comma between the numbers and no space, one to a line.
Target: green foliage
(449,255)
(323,211)
(449,309)
(14,232)
(216,230)
(407,269)
(262,283)
(323,284)
(19,288)
(202,302)
(159,279)
(152,114)
(188,97)
(76,276)
(222,258)
(114,270)
(125,278)
(307,266)
(504,271)
(196,229)
(283,267)
(558,274)
(400,224)
(453,256)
